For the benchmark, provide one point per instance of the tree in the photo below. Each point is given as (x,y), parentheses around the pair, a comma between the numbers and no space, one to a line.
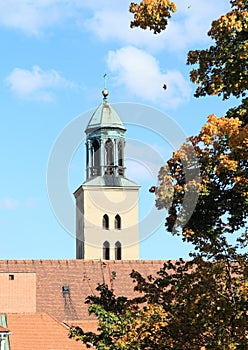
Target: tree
(153,14)
(122,324)
(221,146)
(202,309)
(189,305)
(223,67)
(201,303)
(222,206)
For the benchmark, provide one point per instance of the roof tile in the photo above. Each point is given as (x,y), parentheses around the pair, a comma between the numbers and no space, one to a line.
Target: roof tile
(82,278)
(39,331)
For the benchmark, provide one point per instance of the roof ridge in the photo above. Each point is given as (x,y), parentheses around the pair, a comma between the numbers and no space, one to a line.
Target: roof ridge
(55,319)
(4,329)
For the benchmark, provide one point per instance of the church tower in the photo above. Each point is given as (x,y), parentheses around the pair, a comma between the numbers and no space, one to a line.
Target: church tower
(107,202)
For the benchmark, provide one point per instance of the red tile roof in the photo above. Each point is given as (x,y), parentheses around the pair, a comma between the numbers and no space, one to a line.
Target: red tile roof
(39,331)
(82,278)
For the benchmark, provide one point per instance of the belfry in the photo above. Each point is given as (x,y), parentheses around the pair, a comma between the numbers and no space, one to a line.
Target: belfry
(107,202)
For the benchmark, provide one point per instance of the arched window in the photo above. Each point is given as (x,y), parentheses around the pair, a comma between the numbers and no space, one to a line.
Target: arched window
(106,250)
(105,222)
(120,158)
(96,158)
(109,150)
(117,222)
(87,154)
(118,251)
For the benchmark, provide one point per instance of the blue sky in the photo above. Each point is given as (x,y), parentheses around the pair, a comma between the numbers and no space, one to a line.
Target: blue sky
(54,55)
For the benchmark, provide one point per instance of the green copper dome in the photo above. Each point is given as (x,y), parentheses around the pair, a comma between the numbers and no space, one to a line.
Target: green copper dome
(105,116)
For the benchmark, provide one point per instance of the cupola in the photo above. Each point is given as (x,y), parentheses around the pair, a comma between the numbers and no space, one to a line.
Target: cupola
(105,142)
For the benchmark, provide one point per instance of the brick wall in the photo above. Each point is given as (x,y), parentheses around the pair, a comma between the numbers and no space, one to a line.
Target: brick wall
(17,292)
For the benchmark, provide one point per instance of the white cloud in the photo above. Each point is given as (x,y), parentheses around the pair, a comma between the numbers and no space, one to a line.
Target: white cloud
(187,27)
(32,16)
(36,84)
(8,203)
(111,20)
(114,25)
(26,15)
(141,74)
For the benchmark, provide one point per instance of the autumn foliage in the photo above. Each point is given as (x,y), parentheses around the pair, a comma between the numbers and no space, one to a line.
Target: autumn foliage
(223,67)
(153,14)
(189,305)
(221,150)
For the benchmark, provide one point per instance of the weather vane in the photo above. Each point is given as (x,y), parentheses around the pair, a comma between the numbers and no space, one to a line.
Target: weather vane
(105,91)
(105,78)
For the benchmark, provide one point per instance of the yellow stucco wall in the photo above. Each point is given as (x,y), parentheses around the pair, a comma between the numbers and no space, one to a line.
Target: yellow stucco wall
(92,204)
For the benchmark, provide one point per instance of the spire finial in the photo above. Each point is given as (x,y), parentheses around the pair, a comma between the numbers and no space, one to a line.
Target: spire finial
(105,91)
